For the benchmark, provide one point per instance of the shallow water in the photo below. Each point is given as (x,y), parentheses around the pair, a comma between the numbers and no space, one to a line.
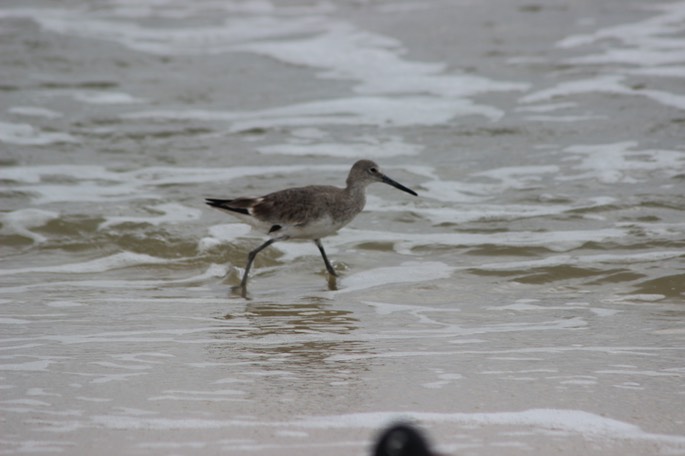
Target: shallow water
(529,301)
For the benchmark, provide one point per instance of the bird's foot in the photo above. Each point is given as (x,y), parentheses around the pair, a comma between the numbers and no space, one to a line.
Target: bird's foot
(332,282)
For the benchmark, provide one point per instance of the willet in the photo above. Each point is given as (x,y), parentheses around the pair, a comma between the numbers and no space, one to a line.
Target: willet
(311,212)
(402,440)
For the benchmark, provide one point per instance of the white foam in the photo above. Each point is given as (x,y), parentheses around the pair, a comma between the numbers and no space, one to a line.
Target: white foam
(363,110)
(384,308)
(93,399)
(644,297)
(457,192)
(518,176)
(116,261)
(213,271)
(619,162)
(20,221)
(430,95)
(86,191)
(570,118)
(134,422)
(573,421)
(33,111)
(296,434)
(29,366)
(40,392)
(392,148)
(301,248)
(654,41)
(229,231)
(578,422)
(159,175)
(483,212)
(604,83)
(34,174)
(172,445)
(84,183)
(498,180)
(25,134)
(62,304)
(25,446)
(136,357)
(407,272)
(559,260)
(345,52)
(633,57)
(207,243)
(101,97)
(224,395)
(337,48)
(601,312)
(553,240)
(523,307)
(209,39)
(171,213)
(93,183)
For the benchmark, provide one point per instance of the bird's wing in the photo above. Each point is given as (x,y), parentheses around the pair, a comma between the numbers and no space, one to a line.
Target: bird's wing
(293,206)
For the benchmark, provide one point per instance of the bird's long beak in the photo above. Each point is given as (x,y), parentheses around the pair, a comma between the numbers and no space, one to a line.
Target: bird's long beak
(397,185)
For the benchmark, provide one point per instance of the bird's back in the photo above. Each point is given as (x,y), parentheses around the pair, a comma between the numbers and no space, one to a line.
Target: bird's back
(304,205)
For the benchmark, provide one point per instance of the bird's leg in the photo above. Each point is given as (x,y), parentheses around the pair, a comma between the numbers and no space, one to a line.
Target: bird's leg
(329,267)
(250,259)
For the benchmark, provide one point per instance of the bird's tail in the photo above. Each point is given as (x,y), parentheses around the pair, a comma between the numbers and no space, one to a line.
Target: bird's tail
(225,205)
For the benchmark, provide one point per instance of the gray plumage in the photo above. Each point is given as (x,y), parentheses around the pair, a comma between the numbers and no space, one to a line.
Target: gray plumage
(310,212)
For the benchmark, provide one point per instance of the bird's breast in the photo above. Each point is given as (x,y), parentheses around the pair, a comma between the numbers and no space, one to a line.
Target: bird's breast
(314,229)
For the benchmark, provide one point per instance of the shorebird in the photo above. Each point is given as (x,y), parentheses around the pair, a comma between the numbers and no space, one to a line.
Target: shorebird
(310,212)
(402,440)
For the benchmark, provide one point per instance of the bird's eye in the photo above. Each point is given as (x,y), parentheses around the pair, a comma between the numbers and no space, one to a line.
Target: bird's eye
(373,171)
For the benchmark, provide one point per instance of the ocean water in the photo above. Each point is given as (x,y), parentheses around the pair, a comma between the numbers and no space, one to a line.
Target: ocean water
(531,300)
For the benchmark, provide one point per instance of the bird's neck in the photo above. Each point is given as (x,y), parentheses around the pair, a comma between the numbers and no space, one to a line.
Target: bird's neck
(356,196)
(355,189)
